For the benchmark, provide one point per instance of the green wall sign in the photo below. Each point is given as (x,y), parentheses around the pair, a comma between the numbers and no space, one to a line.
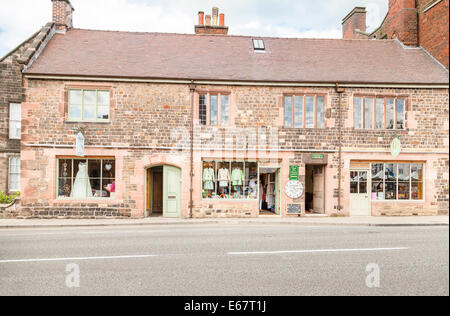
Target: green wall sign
(294,173)
(317,156)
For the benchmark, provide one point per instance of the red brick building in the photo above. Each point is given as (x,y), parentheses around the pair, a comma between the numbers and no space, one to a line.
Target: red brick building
(120,124)
(416,23)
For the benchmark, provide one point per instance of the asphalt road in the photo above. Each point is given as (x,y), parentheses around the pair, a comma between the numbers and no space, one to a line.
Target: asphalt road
(202,260)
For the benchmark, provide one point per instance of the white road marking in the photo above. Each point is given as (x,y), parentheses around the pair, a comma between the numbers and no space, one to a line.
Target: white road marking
(77,259)
(314,251)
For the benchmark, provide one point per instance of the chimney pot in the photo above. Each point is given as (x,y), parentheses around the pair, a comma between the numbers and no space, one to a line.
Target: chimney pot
(222,20)
(208,20)
(215,16)
(201,18)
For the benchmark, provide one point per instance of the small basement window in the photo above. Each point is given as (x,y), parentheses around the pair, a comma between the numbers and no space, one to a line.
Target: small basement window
(258,44)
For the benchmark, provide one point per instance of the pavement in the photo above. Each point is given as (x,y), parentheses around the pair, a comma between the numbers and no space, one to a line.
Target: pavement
(415,221)
(246,259)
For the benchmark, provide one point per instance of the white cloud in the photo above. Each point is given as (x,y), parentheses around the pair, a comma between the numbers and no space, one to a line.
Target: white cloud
(279,18)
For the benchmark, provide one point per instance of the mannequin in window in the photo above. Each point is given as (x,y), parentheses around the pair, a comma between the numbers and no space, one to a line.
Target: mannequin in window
(237,179)
(81,187)
(208,179)
(223,176)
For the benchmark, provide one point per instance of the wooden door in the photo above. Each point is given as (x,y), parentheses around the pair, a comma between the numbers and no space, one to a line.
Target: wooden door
(172,192)
(359,193)
(318,190)
(157,196)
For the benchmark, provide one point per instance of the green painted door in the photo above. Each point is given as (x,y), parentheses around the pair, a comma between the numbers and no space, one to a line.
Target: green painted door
(172,192)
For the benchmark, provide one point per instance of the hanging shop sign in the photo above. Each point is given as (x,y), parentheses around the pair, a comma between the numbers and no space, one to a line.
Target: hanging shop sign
(396,147)
(294,173)
(294,209)
(294,189)
(80,145)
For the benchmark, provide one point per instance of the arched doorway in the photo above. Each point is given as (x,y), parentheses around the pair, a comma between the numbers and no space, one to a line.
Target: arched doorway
(163,191)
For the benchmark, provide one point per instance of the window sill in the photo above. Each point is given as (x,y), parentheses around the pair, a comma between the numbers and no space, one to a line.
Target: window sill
(88,122)
(85,200)
(398,201)
(229,200)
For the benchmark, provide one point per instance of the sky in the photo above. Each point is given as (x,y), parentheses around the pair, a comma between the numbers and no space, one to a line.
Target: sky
(279,18)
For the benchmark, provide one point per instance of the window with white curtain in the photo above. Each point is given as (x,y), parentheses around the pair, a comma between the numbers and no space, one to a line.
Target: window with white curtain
(15,120)
(14,174)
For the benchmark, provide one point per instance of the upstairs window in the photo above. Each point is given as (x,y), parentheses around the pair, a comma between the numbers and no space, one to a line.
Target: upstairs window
(214,109)
(89,105)
(302,111)
(15,120)
(379,113)
(258,44)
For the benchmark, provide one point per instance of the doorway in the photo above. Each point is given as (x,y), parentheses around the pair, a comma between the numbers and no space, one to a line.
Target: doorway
(359,193)
(269,192)
(315,189)
(163,191)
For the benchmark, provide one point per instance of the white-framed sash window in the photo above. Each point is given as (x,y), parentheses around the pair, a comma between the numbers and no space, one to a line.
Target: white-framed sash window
(15,120)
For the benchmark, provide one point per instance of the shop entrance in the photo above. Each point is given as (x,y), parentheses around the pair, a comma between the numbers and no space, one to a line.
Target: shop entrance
(359,193)
(163,191)
(315,189)
(269,191)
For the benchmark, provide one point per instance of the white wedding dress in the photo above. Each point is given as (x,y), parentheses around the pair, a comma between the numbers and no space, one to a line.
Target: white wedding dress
(81,186)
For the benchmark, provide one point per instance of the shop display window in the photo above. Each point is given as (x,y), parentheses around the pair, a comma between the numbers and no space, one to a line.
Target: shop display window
(86,178)
(397,181)
(229,180)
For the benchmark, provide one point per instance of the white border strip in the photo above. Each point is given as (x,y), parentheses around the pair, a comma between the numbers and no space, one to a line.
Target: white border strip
(77,259)
(313,251)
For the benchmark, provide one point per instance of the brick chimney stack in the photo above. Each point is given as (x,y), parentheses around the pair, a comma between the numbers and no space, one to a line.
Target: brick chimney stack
(213,24)
(62,14)
(402,21)
(354,21)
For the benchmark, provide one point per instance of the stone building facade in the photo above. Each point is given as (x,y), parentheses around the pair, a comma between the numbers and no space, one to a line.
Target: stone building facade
(11,96)
(233,128)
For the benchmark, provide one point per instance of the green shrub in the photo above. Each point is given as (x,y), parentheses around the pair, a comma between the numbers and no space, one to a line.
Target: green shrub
(6,199)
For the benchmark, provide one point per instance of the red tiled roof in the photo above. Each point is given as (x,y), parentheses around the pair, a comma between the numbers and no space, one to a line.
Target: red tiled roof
(183,56)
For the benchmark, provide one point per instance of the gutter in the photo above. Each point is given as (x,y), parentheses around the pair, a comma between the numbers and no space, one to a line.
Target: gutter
(242,83)
(340,120)
(192,88)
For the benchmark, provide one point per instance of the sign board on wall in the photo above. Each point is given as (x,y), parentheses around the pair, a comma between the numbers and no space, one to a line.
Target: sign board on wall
(80,145)
(294,209)
(396,147)
(294,189)
(317,156)
(294,173)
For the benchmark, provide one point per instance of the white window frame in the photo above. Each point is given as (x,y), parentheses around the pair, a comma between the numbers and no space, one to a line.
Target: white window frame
(15,123)
(220,96)
(397,181)
(14,161)
(304,112)
(96,119)
(374,112)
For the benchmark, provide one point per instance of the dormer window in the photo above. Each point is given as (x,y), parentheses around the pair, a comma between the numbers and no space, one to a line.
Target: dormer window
(258,44)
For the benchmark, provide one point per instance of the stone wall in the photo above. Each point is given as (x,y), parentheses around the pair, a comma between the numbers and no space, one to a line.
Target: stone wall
(148,119)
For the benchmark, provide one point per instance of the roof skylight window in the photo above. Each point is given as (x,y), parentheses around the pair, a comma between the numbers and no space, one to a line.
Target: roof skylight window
(258,44)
